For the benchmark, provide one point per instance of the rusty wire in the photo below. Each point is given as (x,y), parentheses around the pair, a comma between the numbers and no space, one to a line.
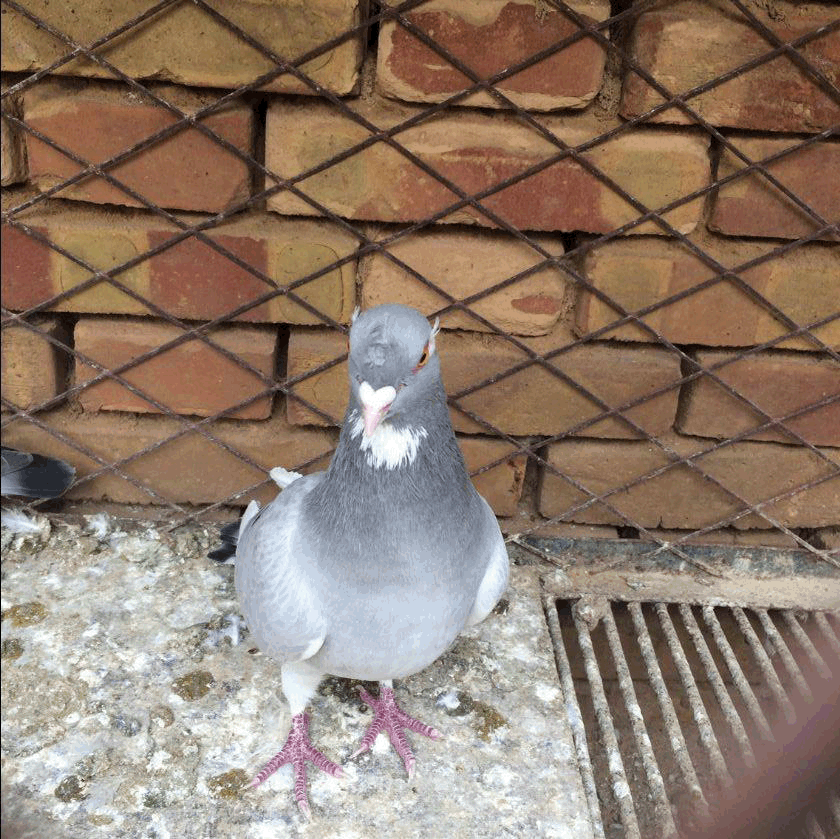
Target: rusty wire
(390,137)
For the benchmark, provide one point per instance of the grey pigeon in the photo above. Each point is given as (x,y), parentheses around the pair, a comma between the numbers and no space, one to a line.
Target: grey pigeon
(34,475)
(371,569)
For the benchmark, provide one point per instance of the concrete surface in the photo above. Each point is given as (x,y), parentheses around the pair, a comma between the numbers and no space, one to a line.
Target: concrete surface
(134,706)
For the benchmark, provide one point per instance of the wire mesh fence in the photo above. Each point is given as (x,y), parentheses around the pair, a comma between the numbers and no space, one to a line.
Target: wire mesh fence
(327,135)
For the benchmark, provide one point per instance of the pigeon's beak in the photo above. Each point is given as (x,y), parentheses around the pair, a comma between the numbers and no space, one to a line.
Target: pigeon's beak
(375,404)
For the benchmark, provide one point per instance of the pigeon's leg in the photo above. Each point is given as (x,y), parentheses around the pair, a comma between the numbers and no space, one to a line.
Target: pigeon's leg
(299,683)
(389,717)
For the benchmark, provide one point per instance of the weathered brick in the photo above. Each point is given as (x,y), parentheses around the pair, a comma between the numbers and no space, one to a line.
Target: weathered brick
(687,43)
(779,383)
(534,401)
(524,521)
(328,390)
(615,375)
(187,470)
(34,369)
(803,283)
(190,378)
(725,536)
(12,156)
(752,206)
(477,151)
(501,485)
(184,44)
(189,279)
(465,262)
(680,498)
(569,78)
(96,120)
(194,470)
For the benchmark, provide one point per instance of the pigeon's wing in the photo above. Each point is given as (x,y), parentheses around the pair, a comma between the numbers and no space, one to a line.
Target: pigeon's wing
(34,475)
(495,578)
(274,577)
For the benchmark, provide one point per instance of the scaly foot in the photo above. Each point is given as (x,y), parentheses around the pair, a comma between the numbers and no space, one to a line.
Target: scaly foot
(390,717)
(297,750)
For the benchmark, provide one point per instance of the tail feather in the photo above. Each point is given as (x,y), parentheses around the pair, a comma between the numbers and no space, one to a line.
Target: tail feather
(230,533)
(34,475)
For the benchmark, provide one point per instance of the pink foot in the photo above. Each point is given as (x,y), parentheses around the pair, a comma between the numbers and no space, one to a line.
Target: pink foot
(297,751)
(390,717)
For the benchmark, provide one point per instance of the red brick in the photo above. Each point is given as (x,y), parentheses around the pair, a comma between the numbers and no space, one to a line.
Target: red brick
(569,78)
(637,272)
(532,401)
(687,43)
(477,151)
(779,383)
(501,485)
(465,262)
(24,268)
(190,378)
(188,280)
(184,44)
(12,157)
(752,206)
(187,470)
(95,120)
(34,369)
(681,498)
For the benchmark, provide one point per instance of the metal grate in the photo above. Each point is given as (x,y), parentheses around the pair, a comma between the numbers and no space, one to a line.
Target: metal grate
(670,702)
(608,34)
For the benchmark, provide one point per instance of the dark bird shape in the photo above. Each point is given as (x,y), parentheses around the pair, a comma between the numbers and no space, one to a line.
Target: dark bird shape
(229,536)
(34,475)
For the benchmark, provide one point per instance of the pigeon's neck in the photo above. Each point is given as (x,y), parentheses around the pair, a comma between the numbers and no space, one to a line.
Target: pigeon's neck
(402,458)
(390,447)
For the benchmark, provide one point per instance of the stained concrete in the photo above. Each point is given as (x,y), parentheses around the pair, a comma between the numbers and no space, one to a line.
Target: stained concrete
(134,705)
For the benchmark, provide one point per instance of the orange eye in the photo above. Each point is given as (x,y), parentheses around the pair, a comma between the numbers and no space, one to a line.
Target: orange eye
(423,358)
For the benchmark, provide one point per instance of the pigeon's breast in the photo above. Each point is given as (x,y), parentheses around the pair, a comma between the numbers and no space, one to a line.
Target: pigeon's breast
(397,596)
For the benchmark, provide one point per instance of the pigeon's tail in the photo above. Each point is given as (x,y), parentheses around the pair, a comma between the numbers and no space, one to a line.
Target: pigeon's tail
(226,552)
(230,533)
(34,475)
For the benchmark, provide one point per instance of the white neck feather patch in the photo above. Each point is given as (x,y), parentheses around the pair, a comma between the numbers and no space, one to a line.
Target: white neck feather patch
(387,446)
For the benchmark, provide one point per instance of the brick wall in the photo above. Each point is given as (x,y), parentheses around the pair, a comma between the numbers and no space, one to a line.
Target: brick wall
(185,312)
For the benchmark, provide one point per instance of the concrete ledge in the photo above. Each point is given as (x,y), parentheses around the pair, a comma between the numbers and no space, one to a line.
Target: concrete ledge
(128,712)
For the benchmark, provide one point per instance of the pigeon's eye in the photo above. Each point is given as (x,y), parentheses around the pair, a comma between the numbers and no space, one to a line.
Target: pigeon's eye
(423,358)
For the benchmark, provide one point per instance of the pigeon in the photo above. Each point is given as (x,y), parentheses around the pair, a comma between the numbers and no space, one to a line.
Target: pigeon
(34,475)
(370,569)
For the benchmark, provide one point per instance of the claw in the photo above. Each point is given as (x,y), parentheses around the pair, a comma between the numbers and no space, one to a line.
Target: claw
(388,716)
(297,751)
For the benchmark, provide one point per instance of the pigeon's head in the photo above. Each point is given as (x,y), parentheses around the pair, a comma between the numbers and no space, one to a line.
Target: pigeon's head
(393,366)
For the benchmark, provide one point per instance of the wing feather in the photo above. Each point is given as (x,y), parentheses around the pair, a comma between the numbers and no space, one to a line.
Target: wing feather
(279,601)
(495,578)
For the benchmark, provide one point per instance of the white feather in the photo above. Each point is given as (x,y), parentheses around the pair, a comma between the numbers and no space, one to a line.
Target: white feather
(98,525)
(283,477)
(18,522)
(387,446)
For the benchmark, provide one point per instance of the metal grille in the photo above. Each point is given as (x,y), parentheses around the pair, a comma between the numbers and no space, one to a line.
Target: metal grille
(669,701)
(609,35)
